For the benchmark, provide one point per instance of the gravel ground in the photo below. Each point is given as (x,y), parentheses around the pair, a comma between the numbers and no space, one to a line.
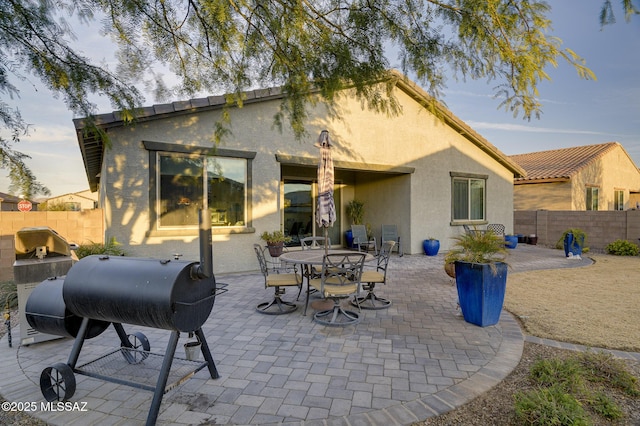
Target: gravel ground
(496,407)
(16,418)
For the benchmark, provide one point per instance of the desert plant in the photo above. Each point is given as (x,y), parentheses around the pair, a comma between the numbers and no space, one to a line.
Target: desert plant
(478,247)
(355,211)
(567,386)
(622,248)
(274,237)
(602,367)
(111,247)
(580,238)
(550,406)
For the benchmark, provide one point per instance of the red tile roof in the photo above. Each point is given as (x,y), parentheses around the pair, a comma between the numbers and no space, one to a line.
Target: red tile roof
(559,164)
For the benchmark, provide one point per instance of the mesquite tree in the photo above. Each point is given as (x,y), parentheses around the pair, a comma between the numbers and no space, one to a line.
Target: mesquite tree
(310,48)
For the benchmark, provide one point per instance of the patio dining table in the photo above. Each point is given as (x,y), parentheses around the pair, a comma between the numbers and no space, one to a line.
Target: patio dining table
(310,258)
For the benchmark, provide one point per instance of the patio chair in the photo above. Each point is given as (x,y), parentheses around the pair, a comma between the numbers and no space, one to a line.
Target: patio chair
(370,278)
(390,233)
(496,228)
(277,281)
(361,240)
(468,230)
(340,279)
(314,243)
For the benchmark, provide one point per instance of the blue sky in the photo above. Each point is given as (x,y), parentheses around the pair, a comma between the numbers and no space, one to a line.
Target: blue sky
(575,112)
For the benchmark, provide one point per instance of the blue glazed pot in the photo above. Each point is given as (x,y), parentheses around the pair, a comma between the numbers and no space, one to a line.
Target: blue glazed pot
(348,235)
(572,245)
(480,292)
(431,247)
(511,241)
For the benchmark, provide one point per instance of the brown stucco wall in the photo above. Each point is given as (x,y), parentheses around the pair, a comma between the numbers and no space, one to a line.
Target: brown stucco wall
(548,196)
(601,227)
(75,227)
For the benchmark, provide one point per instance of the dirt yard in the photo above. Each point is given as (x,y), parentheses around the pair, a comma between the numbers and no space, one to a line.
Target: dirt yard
(596,305)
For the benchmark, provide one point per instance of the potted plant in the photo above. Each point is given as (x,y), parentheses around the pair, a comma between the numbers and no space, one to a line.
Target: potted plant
(431,246)
(355,212)
(511,241)
(481,275)
(573,241)
(275,242)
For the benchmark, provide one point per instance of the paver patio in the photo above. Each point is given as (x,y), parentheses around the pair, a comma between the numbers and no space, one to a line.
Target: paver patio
(414,360)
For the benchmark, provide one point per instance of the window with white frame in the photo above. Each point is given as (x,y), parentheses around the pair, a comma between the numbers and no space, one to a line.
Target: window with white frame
(469,197)
(618,199)
(183,180)
(592,198)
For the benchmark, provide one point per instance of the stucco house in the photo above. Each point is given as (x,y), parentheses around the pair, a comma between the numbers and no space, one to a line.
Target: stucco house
(76,201)
(591,177)
(427,173)
(9,203)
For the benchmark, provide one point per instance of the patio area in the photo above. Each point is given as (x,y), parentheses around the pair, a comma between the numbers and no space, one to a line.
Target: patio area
(414,360)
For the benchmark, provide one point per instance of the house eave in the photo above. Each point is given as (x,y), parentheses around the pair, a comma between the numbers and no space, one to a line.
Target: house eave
(344,165)
(541,180)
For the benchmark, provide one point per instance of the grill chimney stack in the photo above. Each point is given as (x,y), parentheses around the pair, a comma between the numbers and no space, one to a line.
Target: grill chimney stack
(205,268)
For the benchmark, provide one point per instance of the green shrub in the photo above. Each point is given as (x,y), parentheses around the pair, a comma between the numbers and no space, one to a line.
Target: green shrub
(111,247)
(604,367)
(622,248)
(549,406)
(580,238)
(606,407)
(570,390)
(567,373)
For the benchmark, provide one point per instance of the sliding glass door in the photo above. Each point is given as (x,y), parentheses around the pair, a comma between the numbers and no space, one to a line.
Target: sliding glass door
(299,212)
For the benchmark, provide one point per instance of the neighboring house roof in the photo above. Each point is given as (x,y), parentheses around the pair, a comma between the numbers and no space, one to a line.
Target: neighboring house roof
(92,147)
(559,164)
(9,198)
(74,195)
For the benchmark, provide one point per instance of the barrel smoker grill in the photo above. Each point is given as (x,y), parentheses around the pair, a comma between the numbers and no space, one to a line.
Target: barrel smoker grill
(102,290)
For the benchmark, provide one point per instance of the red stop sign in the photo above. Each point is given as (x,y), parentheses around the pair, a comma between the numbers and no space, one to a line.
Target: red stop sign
(24,206)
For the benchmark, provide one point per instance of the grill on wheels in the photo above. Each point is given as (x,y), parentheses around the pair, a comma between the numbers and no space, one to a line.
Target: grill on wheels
(99,291)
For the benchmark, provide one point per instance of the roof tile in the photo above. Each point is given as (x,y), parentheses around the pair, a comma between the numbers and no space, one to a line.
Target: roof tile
(559,163)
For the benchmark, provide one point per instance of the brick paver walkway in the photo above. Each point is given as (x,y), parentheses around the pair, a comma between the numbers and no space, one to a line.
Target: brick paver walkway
(414,360)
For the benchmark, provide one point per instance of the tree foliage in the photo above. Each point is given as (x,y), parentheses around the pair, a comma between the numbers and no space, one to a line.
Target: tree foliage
(305,47)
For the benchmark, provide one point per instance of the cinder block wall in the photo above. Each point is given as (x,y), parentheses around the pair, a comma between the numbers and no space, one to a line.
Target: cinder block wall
(601,227)
(76,227)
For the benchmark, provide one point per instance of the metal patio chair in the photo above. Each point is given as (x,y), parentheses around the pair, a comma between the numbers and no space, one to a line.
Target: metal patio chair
(370,278)
(340,279)
(496,228)
(277,281)
(390,233)
(361,240)
(314,243)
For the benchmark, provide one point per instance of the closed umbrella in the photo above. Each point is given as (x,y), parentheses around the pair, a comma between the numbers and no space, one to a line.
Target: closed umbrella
(325,207)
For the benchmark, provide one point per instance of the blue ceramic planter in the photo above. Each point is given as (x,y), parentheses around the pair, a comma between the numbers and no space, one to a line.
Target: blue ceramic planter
(348,235)
(511,241)
(480,292)
(572,245)
(431,247)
